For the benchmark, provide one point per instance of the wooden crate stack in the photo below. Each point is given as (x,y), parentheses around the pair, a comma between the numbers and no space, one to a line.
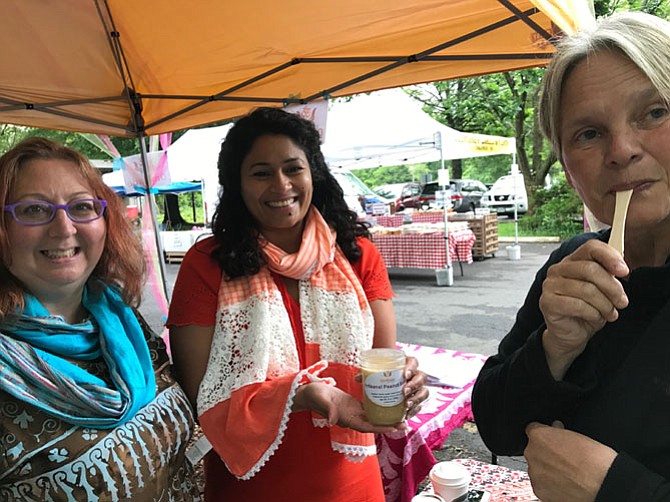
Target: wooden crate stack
(485,228)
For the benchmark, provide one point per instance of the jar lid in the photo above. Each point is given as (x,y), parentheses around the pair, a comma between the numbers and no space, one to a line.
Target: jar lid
(381,357)
(449,473)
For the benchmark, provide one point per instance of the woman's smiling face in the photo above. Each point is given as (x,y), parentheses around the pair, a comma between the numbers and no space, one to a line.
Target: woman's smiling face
(57,258)
(276,183)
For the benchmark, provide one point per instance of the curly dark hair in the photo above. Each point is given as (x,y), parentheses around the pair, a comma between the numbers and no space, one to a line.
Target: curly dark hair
(234,228)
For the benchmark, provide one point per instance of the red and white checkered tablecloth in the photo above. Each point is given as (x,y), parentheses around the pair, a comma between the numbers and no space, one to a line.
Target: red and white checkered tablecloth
(390,221)
(427,217)
(425,250)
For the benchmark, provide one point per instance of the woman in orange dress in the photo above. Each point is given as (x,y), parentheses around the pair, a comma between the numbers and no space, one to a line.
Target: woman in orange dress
(268,321)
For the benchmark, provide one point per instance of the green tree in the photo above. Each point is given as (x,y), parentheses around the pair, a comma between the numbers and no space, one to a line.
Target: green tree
(10,135)
(559,211)
(659,8)
(500,104)
(396,174)
(504,104)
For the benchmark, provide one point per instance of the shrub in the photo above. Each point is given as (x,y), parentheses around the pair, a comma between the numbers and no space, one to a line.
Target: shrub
(557,211)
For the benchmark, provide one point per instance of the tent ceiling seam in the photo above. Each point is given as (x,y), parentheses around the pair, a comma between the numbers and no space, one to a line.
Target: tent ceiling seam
(241,85)
(60,113)
(136,125)
(366,76)
(16,105)
(525,17)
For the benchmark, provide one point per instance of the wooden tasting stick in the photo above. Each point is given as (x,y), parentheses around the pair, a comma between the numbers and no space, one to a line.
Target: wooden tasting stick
(619,222)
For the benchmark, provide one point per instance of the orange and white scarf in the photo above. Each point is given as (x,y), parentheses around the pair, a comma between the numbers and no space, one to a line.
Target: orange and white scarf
(246,394)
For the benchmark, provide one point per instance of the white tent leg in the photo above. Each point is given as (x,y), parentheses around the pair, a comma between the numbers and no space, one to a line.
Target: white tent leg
(152,208)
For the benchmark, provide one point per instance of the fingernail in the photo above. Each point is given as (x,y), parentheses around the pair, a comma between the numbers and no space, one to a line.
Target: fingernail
(407,391)
(410,404)
(408,375)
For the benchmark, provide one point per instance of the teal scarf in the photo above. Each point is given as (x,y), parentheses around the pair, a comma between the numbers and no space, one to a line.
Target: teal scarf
(34,368)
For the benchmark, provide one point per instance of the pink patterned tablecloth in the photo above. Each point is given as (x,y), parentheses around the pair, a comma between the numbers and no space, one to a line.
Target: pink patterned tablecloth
(405,458)
(425,250)
(502,483)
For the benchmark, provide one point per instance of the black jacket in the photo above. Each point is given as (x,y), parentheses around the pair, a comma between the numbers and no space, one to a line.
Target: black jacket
(616,392)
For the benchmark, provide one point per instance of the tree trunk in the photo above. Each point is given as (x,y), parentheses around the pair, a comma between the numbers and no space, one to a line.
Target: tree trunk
(172,219)
(457,168)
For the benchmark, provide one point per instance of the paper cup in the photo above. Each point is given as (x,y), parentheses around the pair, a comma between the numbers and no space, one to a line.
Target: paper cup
(427,497)
(450,480)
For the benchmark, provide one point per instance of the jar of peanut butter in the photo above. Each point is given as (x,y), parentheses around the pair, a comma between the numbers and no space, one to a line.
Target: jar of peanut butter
(383,380)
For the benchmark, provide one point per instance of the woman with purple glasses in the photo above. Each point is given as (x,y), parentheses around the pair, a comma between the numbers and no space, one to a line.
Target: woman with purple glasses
(88,407)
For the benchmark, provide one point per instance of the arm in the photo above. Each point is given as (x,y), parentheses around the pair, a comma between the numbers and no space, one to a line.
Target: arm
(371,271)
(385,336)
(385,327)
(374,277)
(192,316)
(190,347)
(517,386)
(566,465)
(514,387)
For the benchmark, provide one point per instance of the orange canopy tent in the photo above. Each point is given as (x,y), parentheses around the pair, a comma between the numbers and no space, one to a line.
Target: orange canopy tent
(140,68)
(136,68)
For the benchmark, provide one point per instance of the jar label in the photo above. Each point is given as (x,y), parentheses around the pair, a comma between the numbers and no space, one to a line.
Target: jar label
(384,388)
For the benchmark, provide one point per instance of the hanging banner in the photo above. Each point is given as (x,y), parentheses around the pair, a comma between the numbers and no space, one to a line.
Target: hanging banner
(155,280)
(465,145)
(133,174)
(317,112)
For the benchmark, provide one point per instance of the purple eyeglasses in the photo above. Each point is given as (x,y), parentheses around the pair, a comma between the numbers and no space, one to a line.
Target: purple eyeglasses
(40,212)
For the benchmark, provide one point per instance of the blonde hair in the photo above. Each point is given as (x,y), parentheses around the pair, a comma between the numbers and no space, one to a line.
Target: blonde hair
(642,38)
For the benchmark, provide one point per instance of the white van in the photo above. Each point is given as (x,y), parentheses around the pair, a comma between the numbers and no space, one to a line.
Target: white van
(505,193)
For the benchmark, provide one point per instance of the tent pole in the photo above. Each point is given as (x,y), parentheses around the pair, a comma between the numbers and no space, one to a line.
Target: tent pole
(515,172)
(152,208)
(445,216)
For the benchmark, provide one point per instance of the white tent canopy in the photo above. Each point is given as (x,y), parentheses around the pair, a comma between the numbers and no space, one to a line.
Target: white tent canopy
(194,156)
(384,128)
(389,128)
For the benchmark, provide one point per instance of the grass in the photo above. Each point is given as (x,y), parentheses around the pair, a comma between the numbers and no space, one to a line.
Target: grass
(506,229)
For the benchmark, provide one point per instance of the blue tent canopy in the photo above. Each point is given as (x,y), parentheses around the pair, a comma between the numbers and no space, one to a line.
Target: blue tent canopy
(176,187)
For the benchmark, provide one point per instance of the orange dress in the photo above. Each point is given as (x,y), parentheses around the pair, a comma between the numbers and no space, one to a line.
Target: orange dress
(304,467)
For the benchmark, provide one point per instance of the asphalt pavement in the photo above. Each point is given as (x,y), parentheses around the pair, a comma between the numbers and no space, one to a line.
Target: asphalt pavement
(475,312)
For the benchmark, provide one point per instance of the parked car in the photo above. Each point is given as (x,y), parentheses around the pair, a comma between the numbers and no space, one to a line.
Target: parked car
(390,192)
(505,193)
(357,194)
(409,196)
(466,195)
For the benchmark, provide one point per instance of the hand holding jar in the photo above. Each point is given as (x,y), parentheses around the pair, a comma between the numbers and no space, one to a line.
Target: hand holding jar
(393,387)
